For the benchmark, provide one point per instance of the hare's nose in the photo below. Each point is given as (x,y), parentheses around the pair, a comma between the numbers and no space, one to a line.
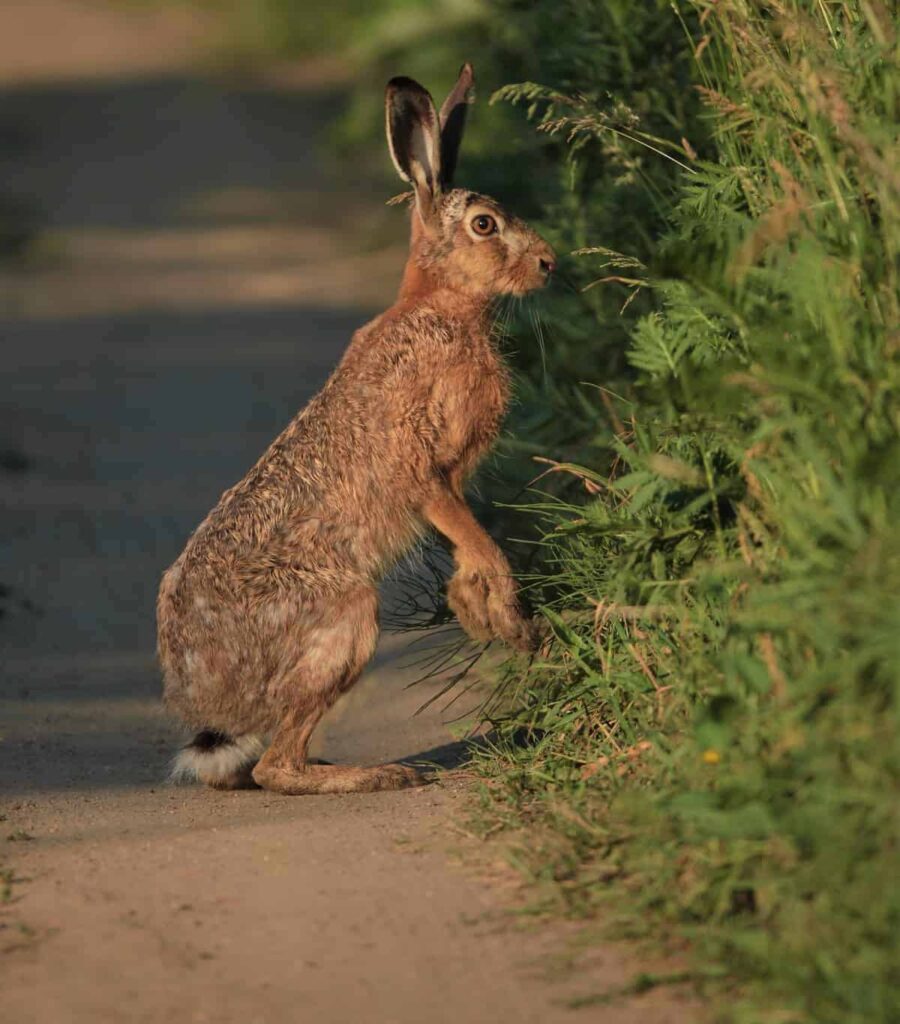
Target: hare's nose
(546,258)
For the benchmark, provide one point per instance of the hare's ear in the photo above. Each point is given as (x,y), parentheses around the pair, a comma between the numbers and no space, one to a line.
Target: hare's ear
(414,140)
(453,122)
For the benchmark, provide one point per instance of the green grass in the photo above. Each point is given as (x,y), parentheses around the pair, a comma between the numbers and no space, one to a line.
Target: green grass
(715,723)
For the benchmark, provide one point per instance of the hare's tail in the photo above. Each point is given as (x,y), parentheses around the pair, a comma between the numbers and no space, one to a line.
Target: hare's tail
(218,760)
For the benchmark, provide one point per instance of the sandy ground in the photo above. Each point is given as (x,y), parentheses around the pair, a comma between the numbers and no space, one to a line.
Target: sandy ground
(200,275)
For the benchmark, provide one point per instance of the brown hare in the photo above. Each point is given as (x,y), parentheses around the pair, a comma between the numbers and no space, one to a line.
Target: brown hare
(271,611)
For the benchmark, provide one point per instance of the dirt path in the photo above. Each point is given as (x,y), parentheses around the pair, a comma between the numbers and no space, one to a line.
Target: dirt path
(197,282)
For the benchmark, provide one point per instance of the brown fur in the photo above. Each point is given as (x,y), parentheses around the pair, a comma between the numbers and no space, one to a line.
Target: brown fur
(270,612)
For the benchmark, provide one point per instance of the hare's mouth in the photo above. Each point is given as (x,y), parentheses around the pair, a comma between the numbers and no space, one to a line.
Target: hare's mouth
(528,276)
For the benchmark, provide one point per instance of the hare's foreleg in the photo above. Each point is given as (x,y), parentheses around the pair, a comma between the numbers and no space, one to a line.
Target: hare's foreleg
(482,592)
(337,650)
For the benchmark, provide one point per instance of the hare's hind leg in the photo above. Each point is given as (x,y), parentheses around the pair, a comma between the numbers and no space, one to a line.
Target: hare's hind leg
(305,779)
(336,653)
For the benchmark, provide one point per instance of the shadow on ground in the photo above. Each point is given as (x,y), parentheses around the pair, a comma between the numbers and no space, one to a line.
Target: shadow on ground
(141,153)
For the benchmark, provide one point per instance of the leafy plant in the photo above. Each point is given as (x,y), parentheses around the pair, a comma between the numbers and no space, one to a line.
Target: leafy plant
(717,713)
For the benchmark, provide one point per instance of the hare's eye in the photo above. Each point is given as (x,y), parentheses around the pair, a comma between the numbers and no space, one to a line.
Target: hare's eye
(484,224)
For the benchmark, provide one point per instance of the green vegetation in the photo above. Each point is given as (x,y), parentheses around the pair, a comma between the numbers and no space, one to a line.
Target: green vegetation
(712,752)
(715,723)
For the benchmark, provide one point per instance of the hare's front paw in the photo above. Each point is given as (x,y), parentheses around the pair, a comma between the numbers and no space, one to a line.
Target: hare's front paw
(508,622)
(488,608)
(467,595)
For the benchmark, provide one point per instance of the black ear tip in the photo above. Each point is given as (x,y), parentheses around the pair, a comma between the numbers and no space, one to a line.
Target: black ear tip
(468,71)
(403,84)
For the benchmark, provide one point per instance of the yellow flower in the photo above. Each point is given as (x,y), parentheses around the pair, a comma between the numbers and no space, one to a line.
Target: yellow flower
(711,756)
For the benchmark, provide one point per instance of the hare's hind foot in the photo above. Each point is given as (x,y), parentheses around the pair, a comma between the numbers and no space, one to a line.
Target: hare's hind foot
(335,654)
(307,779)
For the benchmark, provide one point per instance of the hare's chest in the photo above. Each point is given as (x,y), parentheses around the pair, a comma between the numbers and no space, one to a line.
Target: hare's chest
(495,391)
(483,408)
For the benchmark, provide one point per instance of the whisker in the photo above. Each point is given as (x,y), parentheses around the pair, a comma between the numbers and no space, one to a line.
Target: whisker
(539,335)
(453,681)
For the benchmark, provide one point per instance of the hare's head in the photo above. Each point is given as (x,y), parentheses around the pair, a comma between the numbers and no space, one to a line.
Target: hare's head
(460,239)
